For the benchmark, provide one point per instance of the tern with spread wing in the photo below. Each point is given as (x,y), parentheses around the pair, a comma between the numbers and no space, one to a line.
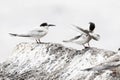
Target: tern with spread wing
(36,34)
(86,35)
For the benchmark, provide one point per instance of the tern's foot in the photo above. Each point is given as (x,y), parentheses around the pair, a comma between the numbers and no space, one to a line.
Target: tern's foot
(41,43)
(38,42)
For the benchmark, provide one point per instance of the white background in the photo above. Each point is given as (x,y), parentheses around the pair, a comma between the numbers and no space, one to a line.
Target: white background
(20,16)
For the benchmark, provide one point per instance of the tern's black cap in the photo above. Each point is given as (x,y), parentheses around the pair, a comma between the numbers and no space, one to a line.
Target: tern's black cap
(44,24)
(118,49)
(92,26)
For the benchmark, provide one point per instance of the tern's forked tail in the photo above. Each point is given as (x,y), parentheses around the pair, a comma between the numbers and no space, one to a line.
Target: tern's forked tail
(13,34)
(19,35)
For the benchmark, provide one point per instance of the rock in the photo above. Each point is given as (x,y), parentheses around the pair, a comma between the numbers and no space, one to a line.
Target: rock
(52,61)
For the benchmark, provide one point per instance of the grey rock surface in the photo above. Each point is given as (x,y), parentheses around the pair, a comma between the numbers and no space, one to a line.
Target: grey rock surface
(52,61)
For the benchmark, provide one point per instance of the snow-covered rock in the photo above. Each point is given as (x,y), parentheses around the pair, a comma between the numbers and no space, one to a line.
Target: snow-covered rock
(51,61)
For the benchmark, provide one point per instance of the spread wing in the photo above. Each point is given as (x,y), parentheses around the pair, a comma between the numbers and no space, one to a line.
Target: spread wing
(75,38)
(81,29)
(95,37)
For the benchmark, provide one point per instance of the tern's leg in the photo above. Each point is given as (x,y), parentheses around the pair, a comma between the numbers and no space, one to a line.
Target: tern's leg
(39,41)
(84,46)
(88,44)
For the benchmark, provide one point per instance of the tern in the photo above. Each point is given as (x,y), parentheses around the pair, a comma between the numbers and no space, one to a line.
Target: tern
(86,35)
(36,34)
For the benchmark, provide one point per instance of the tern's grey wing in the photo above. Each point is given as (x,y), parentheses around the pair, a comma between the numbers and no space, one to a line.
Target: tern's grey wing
(40,31)
(75,38)
(85,31)
(36,32)
(95,37)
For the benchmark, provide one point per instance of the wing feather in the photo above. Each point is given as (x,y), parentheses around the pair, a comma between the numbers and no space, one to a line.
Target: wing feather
(81,29)
(76,37)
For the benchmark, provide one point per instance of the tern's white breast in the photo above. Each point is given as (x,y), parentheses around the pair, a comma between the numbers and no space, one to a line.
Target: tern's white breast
(85,38)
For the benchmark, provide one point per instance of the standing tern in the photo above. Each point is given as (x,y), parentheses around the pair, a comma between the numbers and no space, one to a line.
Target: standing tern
(36,34)
(86,35)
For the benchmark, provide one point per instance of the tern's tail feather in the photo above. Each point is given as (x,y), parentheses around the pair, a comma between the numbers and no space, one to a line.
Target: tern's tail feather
(71,40)
(13,34)
(19,35)
(66,41)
